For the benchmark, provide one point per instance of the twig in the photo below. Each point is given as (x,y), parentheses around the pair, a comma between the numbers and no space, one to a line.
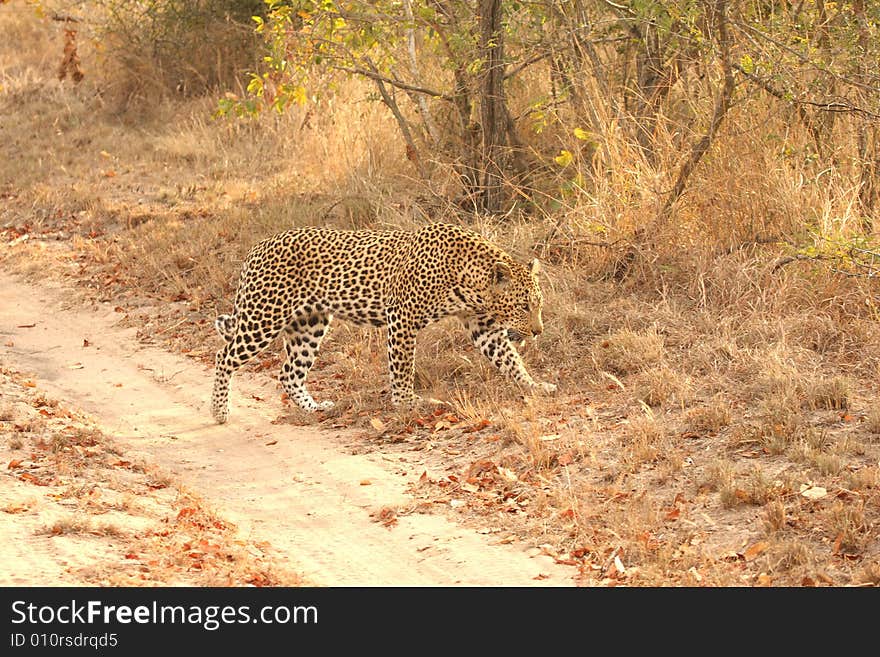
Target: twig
(378,77)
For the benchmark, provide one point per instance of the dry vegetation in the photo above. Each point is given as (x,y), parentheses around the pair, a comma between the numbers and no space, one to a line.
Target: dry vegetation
(718,421)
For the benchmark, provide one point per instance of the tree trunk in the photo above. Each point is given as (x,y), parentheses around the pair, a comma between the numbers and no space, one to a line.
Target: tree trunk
(493,107)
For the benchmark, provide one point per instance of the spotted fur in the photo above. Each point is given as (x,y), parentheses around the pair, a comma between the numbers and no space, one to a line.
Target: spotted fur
(293,284)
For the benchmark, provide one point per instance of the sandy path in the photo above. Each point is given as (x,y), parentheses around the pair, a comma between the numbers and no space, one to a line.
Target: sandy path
(303,494)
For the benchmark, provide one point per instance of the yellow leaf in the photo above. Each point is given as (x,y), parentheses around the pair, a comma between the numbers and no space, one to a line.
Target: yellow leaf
(299,96)
(581,134)
(564,158)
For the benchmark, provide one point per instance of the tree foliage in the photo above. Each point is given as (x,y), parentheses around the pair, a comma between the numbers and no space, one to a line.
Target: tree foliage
(506,90)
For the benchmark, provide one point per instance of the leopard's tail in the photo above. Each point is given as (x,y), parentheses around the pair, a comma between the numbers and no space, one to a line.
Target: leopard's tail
(226,325)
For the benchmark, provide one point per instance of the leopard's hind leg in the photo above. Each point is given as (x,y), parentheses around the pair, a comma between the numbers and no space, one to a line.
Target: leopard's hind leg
(246,335)
(302,340)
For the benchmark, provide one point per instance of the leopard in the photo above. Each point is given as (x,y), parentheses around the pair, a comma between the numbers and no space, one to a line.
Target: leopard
(294,283)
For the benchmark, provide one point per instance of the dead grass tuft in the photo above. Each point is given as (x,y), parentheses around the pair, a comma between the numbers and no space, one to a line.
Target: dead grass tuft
(625,351)
(662,385)
(872,419)
(646,440)
(80,525)
(712,417)
(775,516)
(831,393)
(849,526)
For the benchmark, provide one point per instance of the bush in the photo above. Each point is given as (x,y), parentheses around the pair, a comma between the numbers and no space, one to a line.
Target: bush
(160,48)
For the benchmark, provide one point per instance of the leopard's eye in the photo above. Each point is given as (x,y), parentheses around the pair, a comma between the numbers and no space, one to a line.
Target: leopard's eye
(526,307)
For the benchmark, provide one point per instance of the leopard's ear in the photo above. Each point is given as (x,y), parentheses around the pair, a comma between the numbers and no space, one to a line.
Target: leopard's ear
(534,266)
(501,274)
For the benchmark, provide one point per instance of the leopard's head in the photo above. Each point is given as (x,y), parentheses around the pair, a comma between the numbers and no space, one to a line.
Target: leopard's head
(515,299)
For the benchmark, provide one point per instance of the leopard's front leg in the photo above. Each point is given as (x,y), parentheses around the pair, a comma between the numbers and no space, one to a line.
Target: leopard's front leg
(402,331)
(490,338)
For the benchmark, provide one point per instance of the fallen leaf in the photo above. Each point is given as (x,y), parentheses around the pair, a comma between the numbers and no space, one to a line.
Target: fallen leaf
(9,343)
(14,463)
(673,513)
(387,516)
(837,542)
(507,473)
(470,488)
(365,482)
(272,442)
(16,507)
(27,476)
(693,573)
(482,424)
(29,384)
(75,366)
(813,492)
(765,580)
(86,343)
(564,459)
(26,325)
(377,424)
(755,549)
(549,437)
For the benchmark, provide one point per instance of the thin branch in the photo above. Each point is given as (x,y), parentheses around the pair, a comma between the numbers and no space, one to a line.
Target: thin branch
(387,98)
(516,70)
(825,106)
(399,84)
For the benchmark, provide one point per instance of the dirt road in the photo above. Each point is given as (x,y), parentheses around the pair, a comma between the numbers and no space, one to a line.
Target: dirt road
(304,494)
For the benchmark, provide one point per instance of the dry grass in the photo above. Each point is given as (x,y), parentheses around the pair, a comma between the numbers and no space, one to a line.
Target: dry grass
(626,351)
(705,384)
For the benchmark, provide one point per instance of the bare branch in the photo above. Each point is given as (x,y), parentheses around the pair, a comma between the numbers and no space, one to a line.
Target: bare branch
(399,84)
